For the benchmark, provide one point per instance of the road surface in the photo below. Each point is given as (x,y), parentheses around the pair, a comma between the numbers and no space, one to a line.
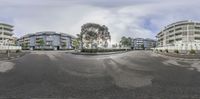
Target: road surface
(131,75)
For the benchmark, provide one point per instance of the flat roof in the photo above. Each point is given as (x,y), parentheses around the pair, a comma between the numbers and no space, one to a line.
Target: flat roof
(47,33)
(6,24)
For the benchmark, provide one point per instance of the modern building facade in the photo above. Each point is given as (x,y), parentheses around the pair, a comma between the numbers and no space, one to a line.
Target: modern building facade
(138,44)
(46,40)
(143,44)
(182,35)
(149,44)
(6,35)
(7,41)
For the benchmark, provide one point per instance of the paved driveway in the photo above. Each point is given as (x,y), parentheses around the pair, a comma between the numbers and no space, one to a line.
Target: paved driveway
(131,75)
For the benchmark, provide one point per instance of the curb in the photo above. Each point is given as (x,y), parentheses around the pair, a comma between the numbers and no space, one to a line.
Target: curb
(93,54)
(177,58)
(9,58)
(12,57)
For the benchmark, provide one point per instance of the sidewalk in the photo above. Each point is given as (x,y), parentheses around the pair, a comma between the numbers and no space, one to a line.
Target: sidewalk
(181,56)
(4,56)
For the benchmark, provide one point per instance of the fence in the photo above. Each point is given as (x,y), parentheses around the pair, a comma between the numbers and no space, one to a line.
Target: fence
(2,47)
(182,46)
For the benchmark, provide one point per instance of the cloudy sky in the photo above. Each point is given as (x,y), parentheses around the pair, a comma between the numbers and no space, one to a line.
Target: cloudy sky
(134,18)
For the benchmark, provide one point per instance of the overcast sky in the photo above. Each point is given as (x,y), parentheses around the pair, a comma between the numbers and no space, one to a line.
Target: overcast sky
(134,18)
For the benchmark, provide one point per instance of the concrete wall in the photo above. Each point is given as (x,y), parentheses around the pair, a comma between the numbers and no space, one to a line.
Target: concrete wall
(10,47)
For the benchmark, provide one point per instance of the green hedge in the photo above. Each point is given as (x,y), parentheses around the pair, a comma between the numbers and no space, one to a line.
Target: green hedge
(18,51)
(192,51)
(166,50)
(102,50)
(176,51)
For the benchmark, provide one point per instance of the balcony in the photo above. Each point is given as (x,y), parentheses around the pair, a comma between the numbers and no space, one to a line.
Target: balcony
(196,35)
(6,37)
(178,36)
(6,33)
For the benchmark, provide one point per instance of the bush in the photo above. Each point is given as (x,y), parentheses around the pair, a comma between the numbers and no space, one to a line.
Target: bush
(18,51)
(101,50)
(176,51)
(156,50)
(166,50)
(192,51)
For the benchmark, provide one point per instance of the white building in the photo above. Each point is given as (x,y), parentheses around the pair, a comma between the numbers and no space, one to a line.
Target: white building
(143,44)
(7,41)
(182,36)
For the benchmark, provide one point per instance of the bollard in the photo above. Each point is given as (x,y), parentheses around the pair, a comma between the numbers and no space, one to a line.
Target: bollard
(8,53)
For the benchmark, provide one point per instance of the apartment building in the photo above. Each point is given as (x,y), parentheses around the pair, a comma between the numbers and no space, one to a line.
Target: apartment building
(7,41)
(182,35)
(149,43)
(143,44)
(48,40)
(6,35)
(138,44)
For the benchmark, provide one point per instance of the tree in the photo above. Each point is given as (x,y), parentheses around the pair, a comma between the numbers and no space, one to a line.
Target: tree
(41,43)
(114,45)
(126,42)
(64,44)
(94,35)
(25,45)
(129,41)
(76,43)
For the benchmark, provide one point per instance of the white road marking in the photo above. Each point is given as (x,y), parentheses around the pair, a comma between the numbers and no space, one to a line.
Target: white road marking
(173,62)
(6,66)
(196,65)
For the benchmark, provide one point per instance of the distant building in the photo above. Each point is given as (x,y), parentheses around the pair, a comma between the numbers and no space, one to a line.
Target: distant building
(138,44)
(6,35)
(46,40)
(149,43)
(143,44)
(182,35)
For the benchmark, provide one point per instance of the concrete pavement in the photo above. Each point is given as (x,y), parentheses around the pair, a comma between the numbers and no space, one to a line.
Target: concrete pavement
(131,75)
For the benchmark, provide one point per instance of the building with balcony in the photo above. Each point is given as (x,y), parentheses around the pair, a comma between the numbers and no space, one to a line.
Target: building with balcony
(143,44)
(138,44)
(6,35)
(7,41)
(182,35)
(149,43)
(46,40)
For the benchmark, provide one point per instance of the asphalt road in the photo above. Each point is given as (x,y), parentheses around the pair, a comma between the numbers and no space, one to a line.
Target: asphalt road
(131,75)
